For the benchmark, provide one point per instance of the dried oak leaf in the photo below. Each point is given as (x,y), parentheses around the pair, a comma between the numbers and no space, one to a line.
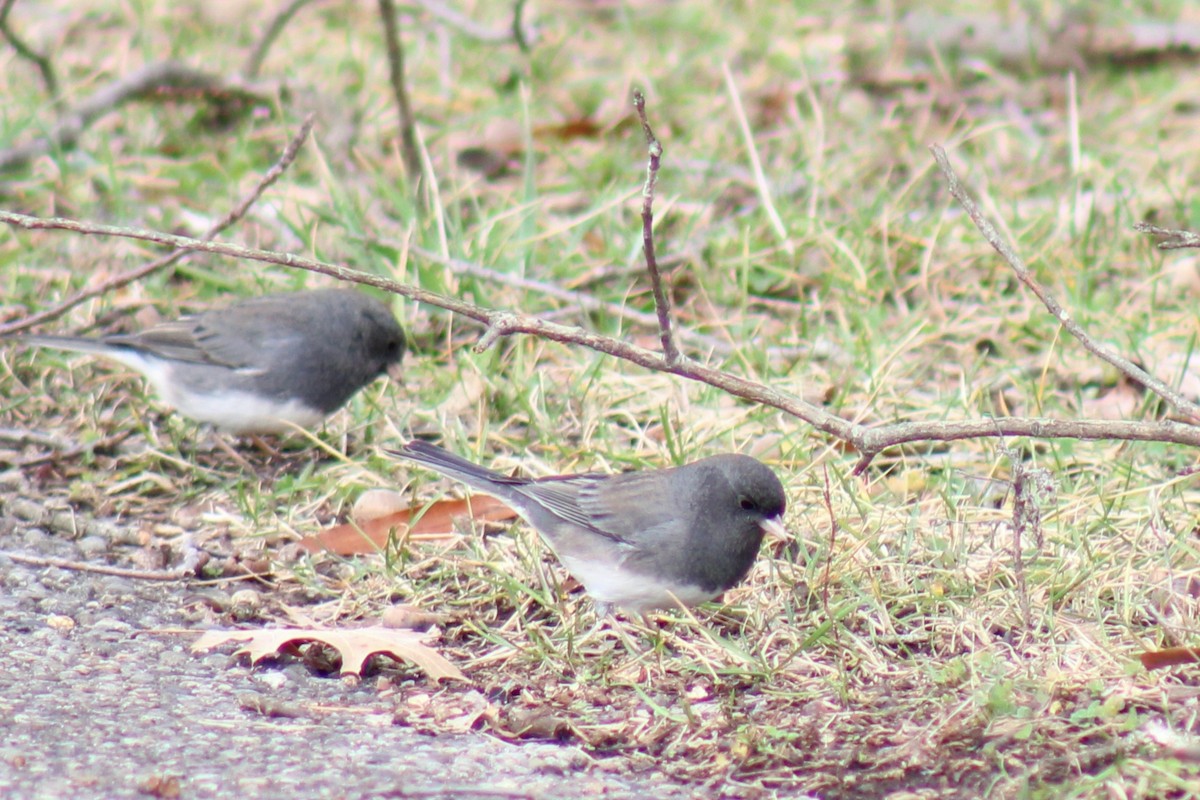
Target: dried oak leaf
(355,645)
(433,521)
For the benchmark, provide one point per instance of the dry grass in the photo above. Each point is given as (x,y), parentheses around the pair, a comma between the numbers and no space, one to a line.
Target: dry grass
(886,652)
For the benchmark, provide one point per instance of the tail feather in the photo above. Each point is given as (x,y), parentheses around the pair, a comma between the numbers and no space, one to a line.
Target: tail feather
(76,344)
(458,468)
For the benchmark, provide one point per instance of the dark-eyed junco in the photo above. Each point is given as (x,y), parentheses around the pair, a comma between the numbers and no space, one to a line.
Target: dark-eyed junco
(258,364)
(640,540)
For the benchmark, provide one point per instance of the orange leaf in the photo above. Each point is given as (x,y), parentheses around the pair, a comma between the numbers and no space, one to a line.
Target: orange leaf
(433,522)
(1170,657)
(356,645)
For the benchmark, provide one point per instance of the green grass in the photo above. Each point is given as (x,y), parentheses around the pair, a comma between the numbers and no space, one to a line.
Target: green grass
(894,654)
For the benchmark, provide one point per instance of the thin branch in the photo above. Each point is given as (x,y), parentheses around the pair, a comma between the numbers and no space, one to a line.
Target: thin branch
(160,78)
(282,17)
(43,63)
(869,441)
(1172,239)
(662,304)
(289,155)
(395,54)
(103,569)
(1127,367)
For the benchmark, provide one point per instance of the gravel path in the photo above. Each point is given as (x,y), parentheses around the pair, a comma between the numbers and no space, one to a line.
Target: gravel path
(94,704)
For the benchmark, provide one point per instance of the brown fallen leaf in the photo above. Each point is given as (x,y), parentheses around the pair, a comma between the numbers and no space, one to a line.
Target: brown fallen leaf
(1170,657)
(433,522)
(355,645)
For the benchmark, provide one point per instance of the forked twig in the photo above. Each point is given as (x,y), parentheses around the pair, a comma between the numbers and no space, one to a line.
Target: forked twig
(1127,367)
(869,441)
(499,322)
(662,304)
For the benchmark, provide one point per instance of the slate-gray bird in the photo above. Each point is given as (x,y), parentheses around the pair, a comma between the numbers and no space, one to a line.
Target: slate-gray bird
(640,540)
(258,364)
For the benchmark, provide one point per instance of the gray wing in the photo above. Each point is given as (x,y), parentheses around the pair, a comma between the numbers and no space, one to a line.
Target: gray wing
(237,337)
(624,507)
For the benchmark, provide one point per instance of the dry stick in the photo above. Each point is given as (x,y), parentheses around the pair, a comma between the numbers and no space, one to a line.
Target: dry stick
(43,64)
(498,322)
(1127,367)
(259,54)
(101,569)
(1175,239)
(395,54)
(662,305)
(289,155)
(869,441)
(152,78)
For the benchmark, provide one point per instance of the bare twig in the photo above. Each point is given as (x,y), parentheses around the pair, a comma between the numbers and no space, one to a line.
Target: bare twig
(1172,239)
(869,441)
(662,303)
(43,63)
(160,78)
(101,569)
(395,54)
(1127,367)
(289,155)
(282,17)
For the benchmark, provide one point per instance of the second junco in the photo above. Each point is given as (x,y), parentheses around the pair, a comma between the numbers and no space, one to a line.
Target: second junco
(640,540)
(259,364)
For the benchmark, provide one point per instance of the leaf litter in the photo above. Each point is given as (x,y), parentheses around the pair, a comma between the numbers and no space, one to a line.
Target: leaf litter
(353,645)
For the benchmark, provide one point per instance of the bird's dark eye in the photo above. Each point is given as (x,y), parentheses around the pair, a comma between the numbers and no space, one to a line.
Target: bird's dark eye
(747,504)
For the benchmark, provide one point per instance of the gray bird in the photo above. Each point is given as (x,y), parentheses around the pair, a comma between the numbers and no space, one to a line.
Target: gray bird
(261,363)
(640,540)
